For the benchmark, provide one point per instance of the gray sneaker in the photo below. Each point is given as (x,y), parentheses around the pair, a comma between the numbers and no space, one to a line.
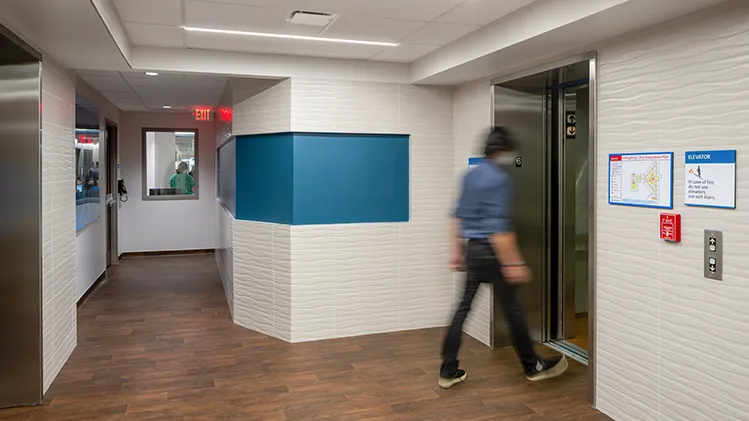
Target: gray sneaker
(546,369)
(448,382)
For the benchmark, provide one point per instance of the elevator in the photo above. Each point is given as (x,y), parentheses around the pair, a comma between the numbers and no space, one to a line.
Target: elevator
(551,112)
(20,223)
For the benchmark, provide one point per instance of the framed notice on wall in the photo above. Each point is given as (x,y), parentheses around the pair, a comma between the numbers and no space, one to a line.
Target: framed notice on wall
(710,179)
(642,179)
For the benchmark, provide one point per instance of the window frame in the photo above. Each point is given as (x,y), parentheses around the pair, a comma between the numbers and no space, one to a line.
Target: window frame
(144,164)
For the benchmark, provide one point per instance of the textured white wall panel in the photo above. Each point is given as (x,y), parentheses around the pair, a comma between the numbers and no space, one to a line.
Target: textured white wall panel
(262,277)
(225,253)
(673,345)
(266,112)
(359,279)
(58,220)
(472,109)
(282,282)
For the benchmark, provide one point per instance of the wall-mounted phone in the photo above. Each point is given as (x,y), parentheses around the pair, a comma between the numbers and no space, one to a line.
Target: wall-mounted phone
(122,190)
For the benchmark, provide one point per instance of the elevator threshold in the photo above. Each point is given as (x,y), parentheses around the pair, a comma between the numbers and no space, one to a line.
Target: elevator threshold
(569,350)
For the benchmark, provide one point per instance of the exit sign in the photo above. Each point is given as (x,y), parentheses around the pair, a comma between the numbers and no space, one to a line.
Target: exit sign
(202,114)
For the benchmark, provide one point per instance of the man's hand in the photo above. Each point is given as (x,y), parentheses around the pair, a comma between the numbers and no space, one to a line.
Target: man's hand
(516,274)
(457,260)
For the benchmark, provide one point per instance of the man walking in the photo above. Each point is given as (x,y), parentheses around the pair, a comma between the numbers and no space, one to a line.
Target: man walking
(484,217)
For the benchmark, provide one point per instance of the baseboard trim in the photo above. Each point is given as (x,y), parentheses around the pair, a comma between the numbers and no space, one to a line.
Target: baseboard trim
(166,253)
(92,288)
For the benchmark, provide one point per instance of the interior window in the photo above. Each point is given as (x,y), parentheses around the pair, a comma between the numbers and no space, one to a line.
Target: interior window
(86,164)
(170,164)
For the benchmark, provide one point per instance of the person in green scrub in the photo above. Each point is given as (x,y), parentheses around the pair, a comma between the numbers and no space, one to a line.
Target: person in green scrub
(183,182)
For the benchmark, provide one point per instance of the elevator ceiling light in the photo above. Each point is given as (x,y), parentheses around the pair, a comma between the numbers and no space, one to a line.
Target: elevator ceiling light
(151,74)
(297,37)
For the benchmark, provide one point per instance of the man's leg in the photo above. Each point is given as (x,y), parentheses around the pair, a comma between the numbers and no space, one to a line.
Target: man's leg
(516,321)
(449,370)
(535,367)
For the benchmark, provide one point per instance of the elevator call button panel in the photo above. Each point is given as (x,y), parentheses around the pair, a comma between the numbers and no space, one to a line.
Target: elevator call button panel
(714,255)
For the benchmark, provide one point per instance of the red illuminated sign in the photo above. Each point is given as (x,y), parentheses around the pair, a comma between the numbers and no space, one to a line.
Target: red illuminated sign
(85,139)
(225,114)
(671,227)
(202,114)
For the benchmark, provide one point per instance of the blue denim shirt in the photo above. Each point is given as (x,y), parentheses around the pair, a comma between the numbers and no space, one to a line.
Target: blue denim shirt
(485,204)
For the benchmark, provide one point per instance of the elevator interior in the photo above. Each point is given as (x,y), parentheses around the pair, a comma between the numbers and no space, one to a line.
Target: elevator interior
(549,112)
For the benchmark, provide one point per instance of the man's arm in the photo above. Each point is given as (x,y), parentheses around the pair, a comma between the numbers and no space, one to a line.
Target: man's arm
(457,259)
(457,255)
(505,246)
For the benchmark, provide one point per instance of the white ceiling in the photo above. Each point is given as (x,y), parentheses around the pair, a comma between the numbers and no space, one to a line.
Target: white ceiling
(135,91)
(420,26)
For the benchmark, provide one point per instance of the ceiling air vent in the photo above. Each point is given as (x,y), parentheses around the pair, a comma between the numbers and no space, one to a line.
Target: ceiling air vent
(301,17)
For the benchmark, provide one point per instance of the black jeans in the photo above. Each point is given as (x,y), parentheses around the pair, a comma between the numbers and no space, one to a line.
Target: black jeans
(482,266)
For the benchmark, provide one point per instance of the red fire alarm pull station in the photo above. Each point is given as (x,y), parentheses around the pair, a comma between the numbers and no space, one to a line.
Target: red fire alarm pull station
(671,227)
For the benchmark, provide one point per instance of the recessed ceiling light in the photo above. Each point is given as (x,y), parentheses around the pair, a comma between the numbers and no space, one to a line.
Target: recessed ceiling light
(167,106)
(151,74)
(284,36)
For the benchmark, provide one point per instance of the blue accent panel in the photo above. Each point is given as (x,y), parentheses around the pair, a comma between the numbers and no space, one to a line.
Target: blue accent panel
(475,161)
(227,161)
(351,178)
(265,177)
(711,157)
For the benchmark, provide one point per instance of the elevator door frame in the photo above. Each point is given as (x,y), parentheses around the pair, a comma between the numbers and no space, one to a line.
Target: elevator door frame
(592,59)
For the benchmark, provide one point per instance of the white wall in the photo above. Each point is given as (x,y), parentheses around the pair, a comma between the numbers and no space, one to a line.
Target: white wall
(58,219)
(672,345)
(262,277)
(261,251)
(472,109)
(90,243)
(166,225)
(358,279)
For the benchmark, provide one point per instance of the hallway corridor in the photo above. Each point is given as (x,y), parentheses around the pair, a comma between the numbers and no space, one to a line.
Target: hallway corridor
(156,342)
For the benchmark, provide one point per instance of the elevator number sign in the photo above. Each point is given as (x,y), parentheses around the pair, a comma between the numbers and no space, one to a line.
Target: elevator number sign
(202,114)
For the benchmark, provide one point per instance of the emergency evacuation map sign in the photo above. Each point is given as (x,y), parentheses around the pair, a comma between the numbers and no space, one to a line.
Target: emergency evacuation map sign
(642,179)
(710,179)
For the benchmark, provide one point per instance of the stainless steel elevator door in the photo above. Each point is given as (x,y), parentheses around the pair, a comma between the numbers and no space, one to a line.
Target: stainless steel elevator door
(524,114)
(20,235)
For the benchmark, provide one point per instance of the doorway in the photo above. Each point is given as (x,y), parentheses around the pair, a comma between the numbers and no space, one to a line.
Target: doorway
(551,113)
(112,193)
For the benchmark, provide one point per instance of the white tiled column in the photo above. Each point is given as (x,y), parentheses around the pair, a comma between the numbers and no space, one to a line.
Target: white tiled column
(58,219)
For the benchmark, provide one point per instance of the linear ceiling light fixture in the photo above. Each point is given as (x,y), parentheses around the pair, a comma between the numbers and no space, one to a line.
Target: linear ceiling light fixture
(298,37)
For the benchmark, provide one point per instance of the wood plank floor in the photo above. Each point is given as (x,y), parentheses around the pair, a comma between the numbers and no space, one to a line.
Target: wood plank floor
(156,342)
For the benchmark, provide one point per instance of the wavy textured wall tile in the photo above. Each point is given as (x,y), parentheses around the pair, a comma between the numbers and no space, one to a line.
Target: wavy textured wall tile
(59,314)
(225,253)
(266,112)
(671,344)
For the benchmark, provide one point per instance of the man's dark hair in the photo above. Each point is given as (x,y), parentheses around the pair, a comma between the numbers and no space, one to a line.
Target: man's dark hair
(499,140)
